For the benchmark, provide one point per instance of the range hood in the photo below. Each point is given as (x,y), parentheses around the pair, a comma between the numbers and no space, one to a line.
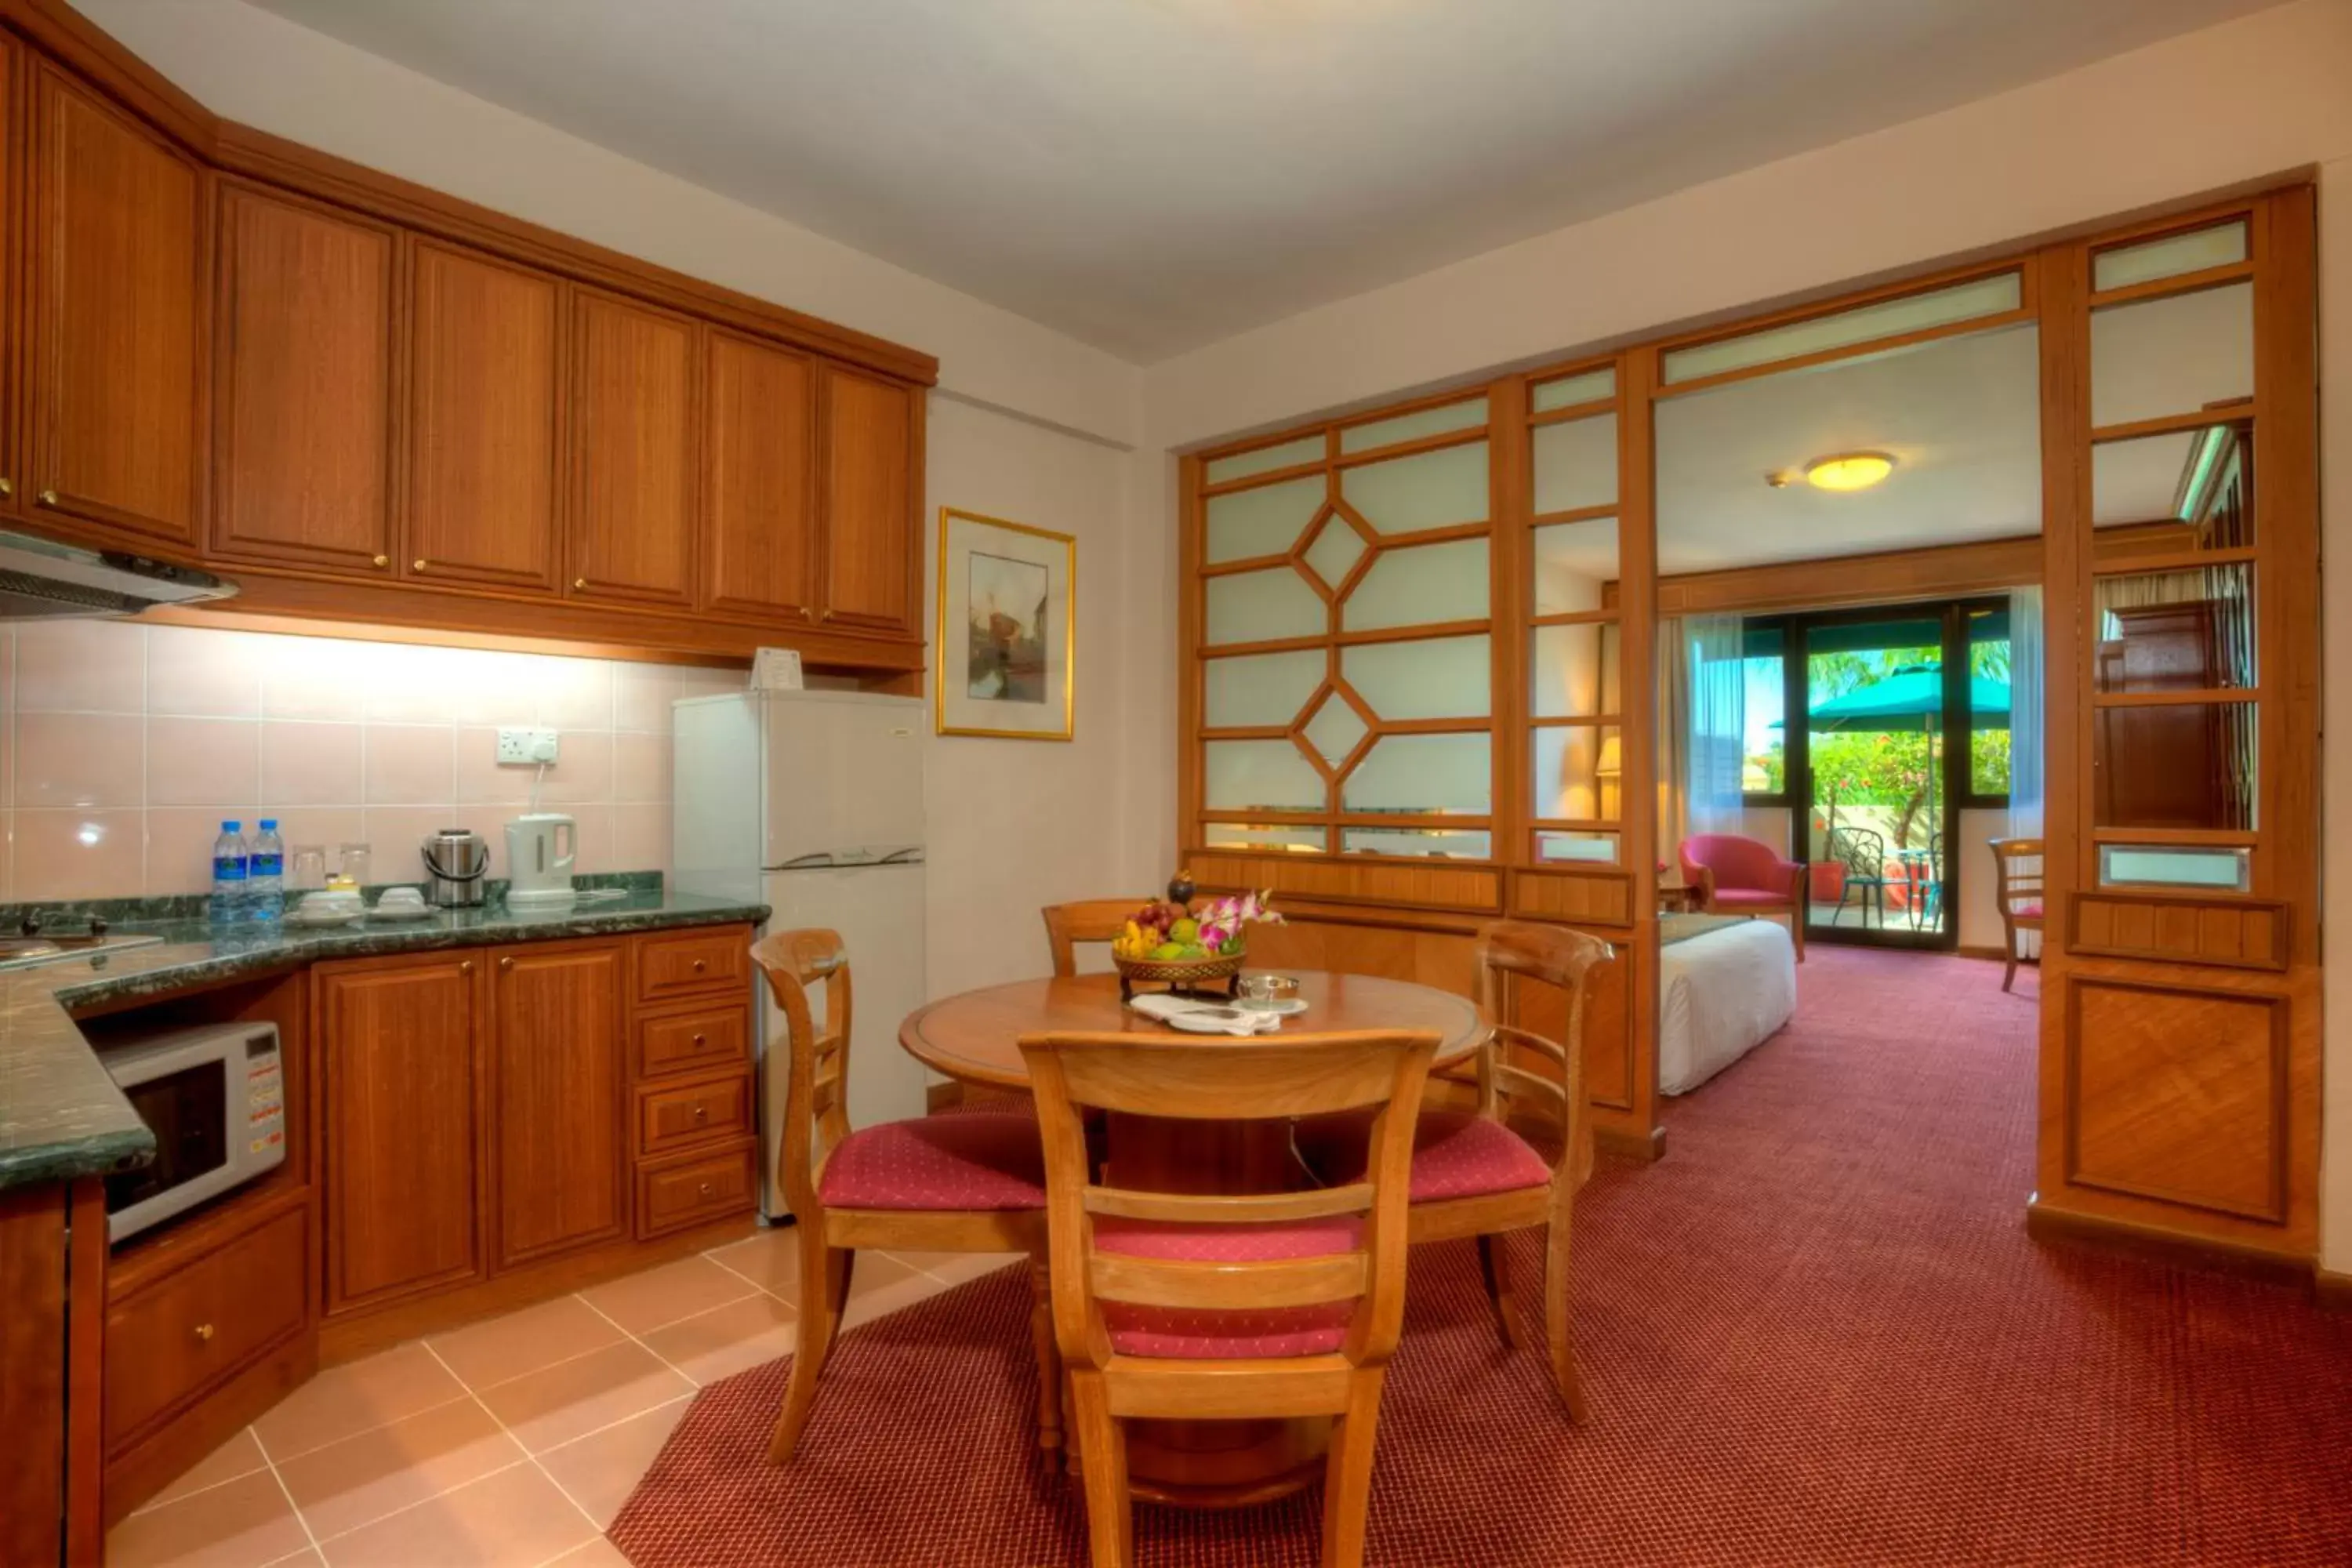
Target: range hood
(43,580)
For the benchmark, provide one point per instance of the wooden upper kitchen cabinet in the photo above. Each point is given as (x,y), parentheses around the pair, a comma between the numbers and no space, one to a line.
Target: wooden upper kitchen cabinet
(872,569)
(485,420)
(401,1045)
(631,512)
(560,1099)
(117,319)
(760,480)
(13,492)
(304,388)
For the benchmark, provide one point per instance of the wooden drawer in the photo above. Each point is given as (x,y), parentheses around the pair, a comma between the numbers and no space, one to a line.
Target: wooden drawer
(697,1188)
(694,1042)
(693,964)
(198,1325)
(679,1116)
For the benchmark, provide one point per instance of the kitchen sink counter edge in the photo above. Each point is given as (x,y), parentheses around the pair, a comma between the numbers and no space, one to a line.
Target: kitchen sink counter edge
(60,1115)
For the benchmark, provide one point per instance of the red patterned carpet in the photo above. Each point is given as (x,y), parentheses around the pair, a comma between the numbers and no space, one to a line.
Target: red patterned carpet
(1815,1332)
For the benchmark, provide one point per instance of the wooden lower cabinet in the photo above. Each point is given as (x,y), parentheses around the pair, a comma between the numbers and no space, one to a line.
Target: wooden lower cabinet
(558,1098)
(194,1329)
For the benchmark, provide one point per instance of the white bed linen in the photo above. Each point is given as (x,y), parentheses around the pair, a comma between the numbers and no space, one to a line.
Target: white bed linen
(1719,996)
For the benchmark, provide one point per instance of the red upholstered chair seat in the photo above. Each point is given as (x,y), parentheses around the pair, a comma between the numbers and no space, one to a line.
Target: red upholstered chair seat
(987,1104)
(1197,1334)
(2031,911)
(1734,898)
(976,1161)
(1455,1154)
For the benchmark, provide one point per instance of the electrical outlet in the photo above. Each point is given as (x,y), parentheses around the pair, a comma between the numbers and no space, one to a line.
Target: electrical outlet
(523,745)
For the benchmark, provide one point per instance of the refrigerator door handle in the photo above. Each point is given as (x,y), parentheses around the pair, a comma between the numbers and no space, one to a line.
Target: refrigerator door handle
(912,854)
(821,860)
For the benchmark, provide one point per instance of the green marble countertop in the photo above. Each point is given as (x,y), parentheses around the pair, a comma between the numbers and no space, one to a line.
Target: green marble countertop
(60,1115)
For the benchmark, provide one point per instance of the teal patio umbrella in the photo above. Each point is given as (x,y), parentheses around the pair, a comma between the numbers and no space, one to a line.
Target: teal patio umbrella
(1910,699)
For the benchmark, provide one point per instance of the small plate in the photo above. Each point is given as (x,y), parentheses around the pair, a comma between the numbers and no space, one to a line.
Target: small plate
(1288,1007)
(419,912)
(323,919)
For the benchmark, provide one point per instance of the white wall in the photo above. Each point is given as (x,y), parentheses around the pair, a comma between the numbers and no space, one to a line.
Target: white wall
(2254,98)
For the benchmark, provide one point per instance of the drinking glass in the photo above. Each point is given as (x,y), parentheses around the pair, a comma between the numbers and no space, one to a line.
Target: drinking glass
(308,871)
(1268,993)
(354,863)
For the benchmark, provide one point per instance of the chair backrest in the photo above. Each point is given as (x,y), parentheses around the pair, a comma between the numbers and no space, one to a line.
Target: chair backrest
(816,1097)
(1556,956)
(2017,868)
(1737,860)
(1263,1079)
(1088,920)
(1861,850)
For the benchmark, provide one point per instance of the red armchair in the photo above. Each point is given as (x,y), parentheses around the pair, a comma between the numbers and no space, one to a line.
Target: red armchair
(1738,875)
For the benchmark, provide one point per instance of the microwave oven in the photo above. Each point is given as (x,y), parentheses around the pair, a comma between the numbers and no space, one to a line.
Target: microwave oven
(215,1096)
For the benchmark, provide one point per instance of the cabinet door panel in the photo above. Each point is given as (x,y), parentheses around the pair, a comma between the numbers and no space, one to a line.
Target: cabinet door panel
(403,1128)
(15,492)
(872,578)
(760,539)
(483,406)
(561,1088)
(302,460)
(118,319)
(633,464)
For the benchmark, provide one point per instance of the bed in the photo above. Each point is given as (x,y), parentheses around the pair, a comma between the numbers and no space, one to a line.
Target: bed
(1726,983)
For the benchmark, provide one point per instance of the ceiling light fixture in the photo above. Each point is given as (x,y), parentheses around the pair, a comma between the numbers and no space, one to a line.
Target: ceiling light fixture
(1848,470)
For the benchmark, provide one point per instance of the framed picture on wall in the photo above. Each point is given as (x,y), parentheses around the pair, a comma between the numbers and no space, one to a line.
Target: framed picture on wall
(1008,615)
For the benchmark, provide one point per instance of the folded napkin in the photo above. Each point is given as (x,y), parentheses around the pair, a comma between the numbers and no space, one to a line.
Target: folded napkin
(1205,1017)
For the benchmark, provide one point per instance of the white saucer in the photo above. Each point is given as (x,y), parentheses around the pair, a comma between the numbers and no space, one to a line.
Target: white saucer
(416,912)
(1288,1007)
(323,919)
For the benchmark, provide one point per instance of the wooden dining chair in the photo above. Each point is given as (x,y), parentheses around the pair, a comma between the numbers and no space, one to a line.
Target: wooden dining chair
(1087,920)
(2017,889)
(935,1184)
(1186,1306)
(1473,1175)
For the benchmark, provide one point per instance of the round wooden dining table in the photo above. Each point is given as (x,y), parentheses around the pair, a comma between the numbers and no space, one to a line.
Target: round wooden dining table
(974,1038)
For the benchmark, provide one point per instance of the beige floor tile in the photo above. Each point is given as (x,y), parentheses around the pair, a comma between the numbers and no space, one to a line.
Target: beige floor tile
(515,1518)
(238,1524)
(574,1398)
(598,1553)
(656,1295)
(958,1267)
(346,1400)
(881,1284)
(490,1352)
(345,1485)
(307,1558)
(770,1260)
(726,1340)
(600,1470)
(241,1456)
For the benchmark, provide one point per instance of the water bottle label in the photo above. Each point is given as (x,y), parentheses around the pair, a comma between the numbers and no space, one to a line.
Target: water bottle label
(267,865)
(228,869)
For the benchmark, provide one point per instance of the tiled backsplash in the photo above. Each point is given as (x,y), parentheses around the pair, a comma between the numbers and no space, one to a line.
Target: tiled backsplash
(122,746)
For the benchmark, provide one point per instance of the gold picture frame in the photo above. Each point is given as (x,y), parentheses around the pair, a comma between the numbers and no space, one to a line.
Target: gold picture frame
(1012,676)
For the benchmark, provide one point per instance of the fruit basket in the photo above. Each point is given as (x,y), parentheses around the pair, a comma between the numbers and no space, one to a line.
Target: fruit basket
(1190,975)
(1168,944)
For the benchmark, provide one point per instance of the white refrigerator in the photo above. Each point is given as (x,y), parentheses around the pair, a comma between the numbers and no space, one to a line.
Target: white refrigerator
(812,803)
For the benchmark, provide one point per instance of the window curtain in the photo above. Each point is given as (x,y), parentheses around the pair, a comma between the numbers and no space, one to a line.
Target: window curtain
(1718,723)
(1674,739)
(2026,675)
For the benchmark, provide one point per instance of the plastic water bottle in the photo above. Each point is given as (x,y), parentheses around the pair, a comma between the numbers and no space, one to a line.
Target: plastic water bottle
(265,873)
(228,873)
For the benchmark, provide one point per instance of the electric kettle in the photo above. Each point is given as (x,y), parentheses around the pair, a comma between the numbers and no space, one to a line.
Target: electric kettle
(540,848)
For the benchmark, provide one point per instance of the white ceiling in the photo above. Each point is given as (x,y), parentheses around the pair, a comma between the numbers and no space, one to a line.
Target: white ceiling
(1150,175)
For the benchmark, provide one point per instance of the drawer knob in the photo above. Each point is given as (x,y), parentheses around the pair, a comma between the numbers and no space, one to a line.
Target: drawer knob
(701,1111)
(704,1189)
(825,615)
(382,562)
(699,966)
(467,967)
(506,964)
(579,581)
(7,487)
(417,566)
(49,498)
(700,1039)
(204,1332)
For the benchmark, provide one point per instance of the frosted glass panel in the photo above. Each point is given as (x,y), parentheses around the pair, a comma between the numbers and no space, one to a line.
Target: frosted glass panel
(1442,678)
(2177,631)
(2227,870)
(1259,775)
(1419,586)
(1336,549)
(1264,460)
(2170,256)
(1570,390)
(1413,426)
(1888,318)
(1257,606)
(1247,835)
(1576,464)
(2186,766)
(2174,356)
(1578,770)
(1427,774)
(1435,843)
(1335,730)
(1430,489)
(1574,671)
(1261,688)
(1574,561)
(1577,848)
(1267,520)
